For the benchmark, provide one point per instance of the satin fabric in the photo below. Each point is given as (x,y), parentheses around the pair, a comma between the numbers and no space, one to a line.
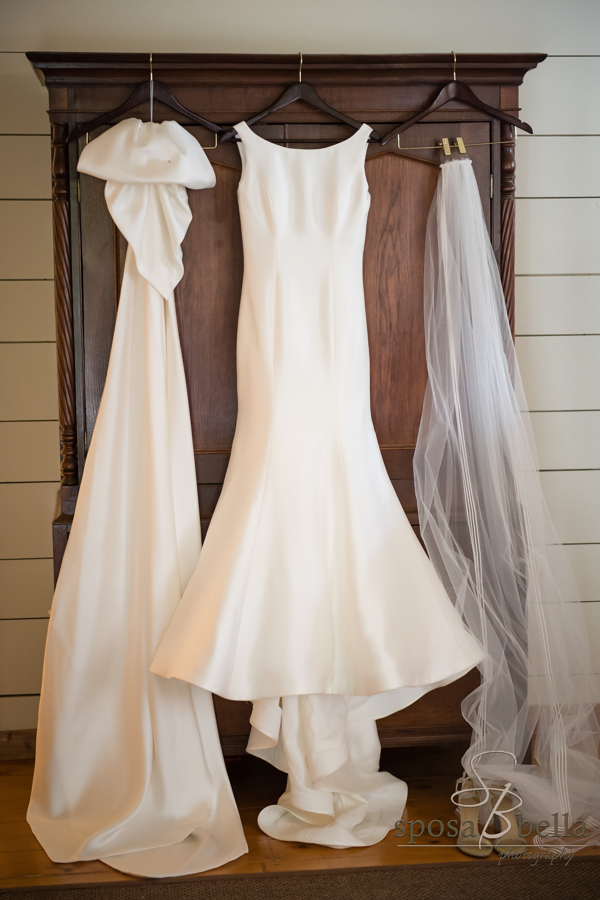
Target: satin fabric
(129,766)
(311,579)
(312,594)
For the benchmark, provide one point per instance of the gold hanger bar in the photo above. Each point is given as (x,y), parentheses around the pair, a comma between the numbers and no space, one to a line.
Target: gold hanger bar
(446,146)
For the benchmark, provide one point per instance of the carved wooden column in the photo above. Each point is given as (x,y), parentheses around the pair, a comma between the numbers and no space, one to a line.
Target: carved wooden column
(507,223)
(64,337)
(64,305)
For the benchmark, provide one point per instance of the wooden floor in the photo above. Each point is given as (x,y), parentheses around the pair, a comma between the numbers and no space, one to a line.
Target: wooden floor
(429,772)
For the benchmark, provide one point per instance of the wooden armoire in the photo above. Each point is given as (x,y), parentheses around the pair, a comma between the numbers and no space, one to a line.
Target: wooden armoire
(89,254)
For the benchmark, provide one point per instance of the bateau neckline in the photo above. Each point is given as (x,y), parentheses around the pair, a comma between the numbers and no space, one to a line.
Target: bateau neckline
(303,149)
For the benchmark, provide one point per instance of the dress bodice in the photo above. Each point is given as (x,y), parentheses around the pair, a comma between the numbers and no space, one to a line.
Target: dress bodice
(301,194)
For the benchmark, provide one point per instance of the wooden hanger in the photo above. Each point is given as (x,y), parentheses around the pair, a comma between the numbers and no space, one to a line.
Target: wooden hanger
(149,90)
(457,90)
(300,90)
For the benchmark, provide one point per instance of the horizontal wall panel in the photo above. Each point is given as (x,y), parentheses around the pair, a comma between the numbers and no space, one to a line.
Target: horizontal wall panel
(22,643)
(561,96)
(26,239)
(26,588)
(25,166)
(557,237)
(592,617)
(557,304)
(28,381)
(585,562)
(567,440)
(23,99)
(560,372)
(558,166)
(18,713)
(27,311)
(572,499)
(29,451)
(26,514)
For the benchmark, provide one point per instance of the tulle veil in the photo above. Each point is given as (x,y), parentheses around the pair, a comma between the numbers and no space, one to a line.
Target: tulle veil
(487,529)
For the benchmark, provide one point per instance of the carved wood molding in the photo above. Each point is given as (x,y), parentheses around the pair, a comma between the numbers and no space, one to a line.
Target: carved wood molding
(507,222)
(64,305)
(235,68)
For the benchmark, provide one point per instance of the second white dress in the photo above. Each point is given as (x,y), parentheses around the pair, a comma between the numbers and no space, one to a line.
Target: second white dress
(312,596)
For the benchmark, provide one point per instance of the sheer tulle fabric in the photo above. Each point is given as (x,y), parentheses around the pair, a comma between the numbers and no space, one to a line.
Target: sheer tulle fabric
(129,767)
(487,529)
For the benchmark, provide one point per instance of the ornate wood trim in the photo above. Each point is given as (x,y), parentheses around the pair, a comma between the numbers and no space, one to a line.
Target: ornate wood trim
(235,68)
(64,305)
(507,222)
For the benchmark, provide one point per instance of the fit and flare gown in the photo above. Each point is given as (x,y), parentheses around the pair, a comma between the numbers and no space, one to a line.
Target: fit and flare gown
(312,596)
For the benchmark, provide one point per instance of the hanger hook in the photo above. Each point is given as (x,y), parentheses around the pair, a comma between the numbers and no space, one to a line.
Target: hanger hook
(300,69)
(454,68)
(151,90)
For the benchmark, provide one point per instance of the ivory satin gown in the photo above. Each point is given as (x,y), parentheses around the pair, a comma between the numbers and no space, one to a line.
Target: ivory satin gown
(129,767)
(312,596)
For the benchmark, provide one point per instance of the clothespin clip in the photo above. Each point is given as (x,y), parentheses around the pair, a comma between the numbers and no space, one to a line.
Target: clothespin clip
(461,146)
(446,147)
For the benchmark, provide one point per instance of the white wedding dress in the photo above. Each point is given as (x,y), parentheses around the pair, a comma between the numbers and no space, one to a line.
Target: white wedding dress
(312,596)
(129,767)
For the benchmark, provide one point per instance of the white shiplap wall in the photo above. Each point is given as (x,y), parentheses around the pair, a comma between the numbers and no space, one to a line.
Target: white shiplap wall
(558,328)
(558,302)
(29,458)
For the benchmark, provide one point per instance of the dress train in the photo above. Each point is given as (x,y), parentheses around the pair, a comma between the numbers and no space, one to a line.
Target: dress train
(329,746)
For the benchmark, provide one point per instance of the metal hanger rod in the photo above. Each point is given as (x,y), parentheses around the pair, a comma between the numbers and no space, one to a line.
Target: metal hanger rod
(314,140)
(438,146)
(151,90)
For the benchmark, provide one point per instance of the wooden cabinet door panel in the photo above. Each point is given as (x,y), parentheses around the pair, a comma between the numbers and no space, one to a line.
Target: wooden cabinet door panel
(402,185)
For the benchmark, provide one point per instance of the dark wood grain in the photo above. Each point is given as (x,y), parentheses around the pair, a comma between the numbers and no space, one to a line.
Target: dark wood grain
(64,305)
(65,344)
(507,236)
(207,301)
(61,527)
(401,193)
(99,267)
(238,69)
